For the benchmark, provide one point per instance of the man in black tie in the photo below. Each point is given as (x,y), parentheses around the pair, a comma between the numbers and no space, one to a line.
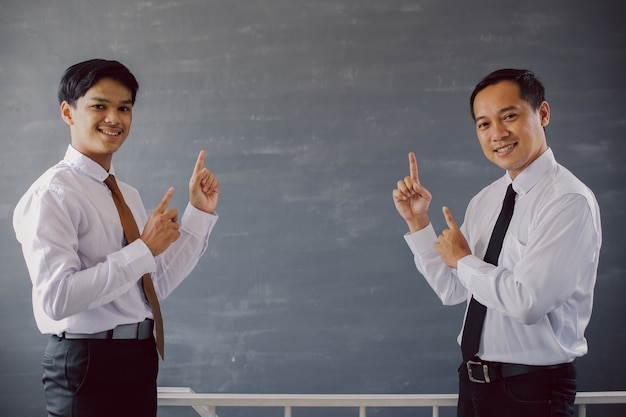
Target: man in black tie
(525,259)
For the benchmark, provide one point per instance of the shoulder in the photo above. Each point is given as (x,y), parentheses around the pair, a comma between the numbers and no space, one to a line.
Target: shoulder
(51,194)
(57,180)
(60,179)
(562,182)
(59,183)
(561,194)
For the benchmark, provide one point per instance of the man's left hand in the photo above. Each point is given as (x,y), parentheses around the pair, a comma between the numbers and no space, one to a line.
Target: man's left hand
(451,243)
(203,187)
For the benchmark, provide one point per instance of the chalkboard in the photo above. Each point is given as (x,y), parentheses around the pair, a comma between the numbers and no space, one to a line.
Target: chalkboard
(307,110)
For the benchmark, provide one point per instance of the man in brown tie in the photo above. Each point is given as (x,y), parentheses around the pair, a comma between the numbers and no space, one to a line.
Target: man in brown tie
(525,258)
(98,263)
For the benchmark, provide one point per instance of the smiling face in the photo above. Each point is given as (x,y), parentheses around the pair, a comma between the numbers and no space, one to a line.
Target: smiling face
(510,132)
(100,121)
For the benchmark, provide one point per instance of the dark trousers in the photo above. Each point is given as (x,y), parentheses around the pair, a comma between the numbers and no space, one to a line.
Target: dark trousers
(98,378)
(546,393)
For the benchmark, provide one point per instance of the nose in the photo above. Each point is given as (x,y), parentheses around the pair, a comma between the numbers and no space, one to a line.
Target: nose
(499,131)
(112,117)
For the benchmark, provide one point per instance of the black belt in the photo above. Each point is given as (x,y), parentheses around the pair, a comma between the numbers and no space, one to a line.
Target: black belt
(138,331)
(485,372)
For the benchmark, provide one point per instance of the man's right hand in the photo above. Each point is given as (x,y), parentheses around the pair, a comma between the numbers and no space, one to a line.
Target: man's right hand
(412,199)
(161,230)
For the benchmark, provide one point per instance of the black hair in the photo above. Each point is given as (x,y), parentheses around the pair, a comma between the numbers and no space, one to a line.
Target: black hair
(531,89)
(79,78)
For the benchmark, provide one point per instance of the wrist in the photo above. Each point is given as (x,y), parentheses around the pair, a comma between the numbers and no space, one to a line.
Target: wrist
(418,224)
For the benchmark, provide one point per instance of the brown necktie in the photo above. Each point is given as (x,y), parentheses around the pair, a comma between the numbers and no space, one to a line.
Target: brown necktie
(131,232)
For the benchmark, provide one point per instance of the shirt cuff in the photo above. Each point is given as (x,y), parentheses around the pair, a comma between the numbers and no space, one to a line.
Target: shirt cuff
(421,241)
(198,222)
(139,258)
(468,267)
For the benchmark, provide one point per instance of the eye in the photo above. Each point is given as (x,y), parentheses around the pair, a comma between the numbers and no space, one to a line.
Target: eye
(126,109)
(510,116)
(99,106)
(482,125)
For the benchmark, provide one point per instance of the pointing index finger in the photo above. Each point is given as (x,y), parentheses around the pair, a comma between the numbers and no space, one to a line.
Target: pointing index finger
(413,167)
(165,201)
(449,219)
(199,162)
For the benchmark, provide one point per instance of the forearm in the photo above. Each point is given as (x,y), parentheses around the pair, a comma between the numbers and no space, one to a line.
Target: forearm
(63,289)
(558,259)
(177,262)
(441,278)
(417,223)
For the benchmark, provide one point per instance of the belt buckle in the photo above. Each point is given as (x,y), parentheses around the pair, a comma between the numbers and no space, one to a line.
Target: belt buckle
(470,364)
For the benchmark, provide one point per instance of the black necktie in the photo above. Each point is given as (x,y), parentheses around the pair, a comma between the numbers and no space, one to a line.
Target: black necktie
(476,311)
(131,232)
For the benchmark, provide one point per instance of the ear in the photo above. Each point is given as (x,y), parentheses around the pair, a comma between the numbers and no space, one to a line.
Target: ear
(544,113)
(67,113)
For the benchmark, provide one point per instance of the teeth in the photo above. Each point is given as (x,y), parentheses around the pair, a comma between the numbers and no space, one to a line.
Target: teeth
(506,148)
(109,132)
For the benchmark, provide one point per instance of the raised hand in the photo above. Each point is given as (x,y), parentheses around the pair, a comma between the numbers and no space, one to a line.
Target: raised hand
(161,229)
(451,244)
(412,199)
(203,187)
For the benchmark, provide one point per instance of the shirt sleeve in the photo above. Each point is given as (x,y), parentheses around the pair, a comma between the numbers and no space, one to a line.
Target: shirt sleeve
(442,279)
(48,223)
(541,274)
(177,262)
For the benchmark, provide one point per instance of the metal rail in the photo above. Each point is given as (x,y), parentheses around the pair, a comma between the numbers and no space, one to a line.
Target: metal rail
(206,404)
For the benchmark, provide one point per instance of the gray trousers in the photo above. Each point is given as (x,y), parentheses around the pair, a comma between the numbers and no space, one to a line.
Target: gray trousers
(94,378)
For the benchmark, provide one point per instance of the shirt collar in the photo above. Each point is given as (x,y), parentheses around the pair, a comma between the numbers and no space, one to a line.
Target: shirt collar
(86,165)
(533,173)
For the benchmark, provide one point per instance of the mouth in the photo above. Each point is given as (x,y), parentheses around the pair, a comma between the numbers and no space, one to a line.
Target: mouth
(505,149)
(110,131)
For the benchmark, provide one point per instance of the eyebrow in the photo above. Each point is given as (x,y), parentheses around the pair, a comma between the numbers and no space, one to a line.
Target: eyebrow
(503,110)
(105,100)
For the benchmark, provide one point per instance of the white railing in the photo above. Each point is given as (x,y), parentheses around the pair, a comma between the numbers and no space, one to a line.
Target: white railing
(206,404)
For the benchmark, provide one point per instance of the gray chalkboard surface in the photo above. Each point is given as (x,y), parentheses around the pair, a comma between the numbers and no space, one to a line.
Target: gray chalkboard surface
(307,110)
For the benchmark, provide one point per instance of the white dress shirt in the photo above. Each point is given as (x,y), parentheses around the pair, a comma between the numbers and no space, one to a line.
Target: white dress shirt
(84,279)
(539,297)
